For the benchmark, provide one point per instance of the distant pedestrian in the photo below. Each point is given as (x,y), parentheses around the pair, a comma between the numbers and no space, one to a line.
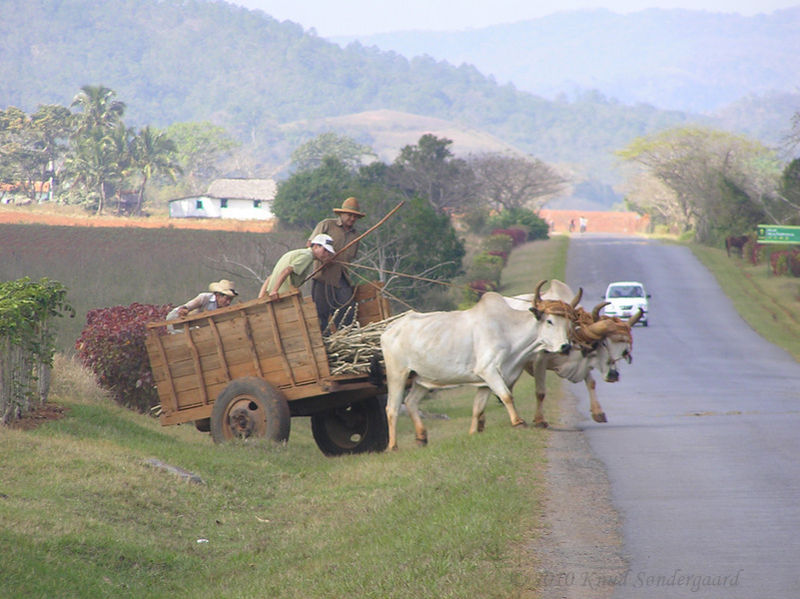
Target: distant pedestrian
(584,223)
(572,225)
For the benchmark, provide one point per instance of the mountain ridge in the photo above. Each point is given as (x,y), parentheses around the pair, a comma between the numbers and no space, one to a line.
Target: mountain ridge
(699,57)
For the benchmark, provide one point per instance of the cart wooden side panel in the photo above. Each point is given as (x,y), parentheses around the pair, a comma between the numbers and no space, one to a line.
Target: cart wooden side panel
(194,358)
(372,305)
(279,341)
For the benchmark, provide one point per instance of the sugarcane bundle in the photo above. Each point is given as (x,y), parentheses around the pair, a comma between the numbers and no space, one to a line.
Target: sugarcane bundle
(351,347)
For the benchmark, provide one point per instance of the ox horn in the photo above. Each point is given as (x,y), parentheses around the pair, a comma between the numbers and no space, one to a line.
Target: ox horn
(635,318)
(537,296)
(598,330)
(597,308)
(577,297)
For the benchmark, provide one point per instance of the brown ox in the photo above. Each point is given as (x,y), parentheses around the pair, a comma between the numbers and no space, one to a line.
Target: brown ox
(597,342)
(736,242)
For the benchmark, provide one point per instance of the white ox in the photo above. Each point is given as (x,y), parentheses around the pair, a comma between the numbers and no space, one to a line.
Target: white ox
(486,346)
(597,343)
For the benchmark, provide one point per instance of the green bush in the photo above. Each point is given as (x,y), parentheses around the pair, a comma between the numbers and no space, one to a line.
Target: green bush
(498,243)
(27,342)
(537,227)
(485,267)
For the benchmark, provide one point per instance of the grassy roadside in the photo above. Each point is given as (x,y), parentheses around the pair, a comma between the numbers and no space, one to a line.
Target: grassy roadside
(84,515)
(769,304)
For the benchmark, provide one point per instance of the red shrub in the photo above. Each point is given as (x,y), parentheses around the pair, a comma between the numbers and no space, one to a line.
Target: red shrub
(781,262)
(112,347)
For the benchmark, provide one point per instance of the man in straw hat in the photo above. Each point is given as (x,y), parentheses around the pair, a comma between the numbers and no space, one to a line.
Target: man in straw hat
(219,295)
(331,288)
(294,266)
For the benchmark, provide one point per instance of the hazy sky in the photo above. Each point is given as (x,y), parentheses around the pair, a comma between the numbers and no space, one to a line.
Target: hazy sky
(363,17)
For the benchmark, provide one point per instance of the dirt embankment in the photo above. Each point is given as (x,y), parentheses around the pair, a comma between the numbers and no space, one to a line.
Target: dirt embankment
(624,223)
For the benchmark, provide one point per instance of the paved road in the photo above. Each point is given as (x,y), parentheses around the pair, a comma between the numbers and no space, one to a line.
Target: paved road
(702,447)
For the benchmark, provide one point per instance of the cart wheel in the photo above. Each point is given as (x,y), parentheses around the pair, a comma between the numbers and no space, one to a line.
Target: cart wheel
(355,428)
(203,425)
(250,407)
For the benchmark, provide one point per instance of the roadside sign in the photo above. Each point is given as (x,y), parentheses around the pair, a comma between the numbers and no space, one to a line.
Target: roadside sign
(778,234)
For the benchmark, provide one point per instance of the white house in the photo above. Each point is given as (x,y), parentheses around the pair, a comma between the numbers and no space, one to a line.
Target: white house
(243,199)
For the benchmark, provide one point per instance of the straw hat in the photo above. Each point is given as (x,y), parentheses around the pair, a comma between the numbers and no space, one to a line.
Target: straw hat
(225,287)
(350,206)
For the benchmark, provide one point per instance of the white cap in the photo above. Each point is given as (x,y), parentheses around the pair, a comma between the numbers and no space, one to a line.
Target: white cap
(325,241)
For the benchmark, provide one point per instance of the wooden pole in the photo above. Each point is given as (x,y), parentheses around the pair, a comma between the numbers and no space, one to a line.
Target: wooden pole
(352,241)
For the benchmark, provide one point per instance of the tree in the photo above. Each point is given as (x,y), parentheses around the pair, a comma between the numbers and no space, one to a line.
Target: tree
(152,152)
(97,163)
(310,155)
(418,240)
(307,197)
(100,152)
(791,141)
(200,147)
(507,182)
(53,126)
(430,171)
(645,193)
(98,109)
(21,161)
(707,171)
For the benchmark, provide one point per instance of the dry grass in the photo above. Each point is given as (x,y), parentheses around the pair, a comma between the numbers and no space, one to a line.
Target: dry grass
(74,382)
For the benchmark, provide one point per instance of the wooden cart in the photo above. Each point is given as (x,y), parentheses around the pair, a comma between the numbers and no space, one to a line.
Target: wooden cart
(245,370)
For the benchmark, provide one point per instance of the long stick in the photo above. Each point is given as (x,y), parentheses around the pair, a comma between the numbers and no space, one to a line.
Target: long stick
(352,241)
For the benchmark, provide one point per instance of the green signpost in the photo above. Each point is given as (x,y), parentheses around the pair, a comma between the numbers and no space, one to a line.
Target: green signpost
(778,234)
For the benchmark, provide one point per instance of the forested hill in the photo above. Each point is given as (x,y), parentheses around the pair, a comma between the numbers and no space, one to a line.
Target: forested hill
(690,60)
(181,60)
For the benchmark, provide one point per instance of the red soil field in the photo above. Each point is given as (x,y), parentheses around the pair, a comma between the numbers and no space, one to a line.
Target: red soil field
(16,216)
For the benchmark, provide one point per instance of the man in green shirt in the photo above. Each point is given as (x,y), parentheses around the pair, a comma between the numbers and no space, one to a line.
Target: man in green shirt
(294,266)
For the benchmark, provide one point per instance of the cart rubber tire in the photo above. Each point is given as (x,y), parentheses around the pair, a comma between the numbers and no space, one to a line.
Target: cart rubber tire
(356,428)
(250,407)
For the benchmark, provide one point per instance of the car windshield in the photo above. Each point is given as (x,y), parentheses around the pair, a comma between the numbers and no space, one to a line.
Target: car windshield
(626,291)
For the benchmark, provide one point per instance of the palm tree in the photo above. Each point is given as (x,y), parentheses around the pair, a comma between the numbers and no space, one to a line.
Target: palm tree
(99,109)
(152,152)
(98,163)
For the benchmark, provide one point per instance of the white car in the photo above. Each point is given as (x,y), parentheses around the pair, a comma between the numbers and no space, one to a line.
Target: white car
(626,297)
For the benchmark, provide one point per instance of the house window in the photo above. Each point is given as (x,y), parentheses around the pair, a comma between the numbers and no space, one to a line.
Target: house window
(223,203)
(198,204)
(256,203)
